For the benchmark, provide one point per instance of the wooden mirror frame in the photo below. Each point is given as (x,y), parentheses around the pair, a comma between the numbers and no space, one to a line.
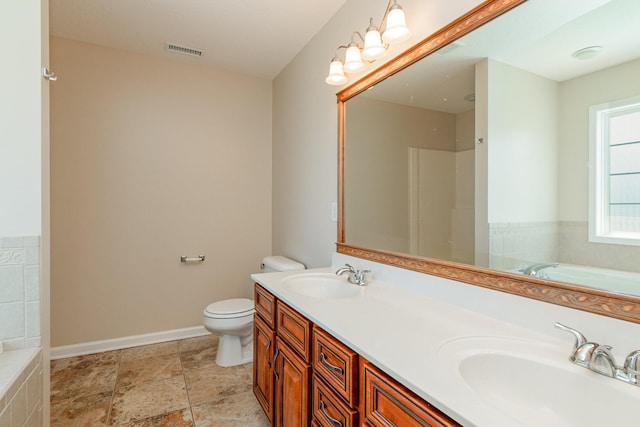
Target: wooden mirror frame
(620,306)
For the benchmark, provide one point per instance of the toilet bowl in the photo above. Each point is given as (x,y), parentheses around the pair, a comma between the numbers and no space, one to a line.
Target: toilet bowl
(232,319)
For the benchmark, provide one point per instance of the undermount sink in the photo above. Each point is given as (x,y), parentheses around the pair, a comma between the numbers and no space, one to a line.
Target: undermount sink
(321,285)
(535,385)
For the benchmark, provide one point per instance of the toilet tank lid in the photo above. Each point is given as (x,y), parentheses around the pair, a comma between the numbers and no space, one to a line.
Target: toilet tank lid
(230,306)
(280,263)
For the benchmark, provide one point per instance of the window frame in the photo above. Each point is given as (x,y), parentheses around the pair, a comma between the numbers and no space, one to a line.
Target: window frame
(599,171)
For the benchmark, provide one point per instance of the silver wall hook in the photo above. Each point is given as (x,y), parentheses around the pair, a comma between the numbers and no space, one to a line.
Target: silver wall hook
(48,75)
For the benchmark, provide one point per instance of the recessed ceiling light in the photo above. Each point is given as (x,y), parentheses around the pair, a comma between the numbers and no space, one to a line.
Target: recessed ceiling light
(587,52)
(471,97)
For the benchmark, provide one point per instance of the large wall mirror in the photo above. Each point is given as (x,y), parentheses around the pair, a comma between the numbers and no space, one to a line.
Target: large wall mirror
(504,151)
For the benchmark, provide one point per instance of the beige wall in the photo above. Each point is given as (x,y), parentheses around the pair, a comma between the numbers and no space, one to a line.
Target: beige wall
(151,160)
(305,126)
(576,96)
(380,135)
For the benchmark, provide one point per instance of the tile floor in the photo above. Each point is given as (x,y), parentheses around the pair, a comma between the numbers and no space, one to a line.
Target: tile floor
(169,384)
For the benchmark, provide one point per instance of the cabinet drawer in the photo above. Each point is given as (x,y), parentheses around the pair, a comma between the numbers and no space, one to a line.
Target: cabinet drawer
(336,364)
(329,410)
(385,402)
(294,329)
(265,304)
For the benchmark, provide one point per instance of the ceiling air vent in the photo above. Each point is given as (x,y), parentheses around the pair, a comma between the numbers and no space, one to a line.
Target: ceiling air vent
(172,47)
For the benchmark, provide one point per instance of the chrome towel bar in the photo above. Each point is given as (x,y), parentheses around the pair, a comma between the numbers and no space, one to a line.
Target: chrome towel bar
(198,258)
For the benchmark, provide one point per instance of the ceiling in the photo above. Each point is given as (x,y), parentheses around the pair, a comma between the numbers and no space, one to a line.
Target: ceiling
(252,37)
(539,36)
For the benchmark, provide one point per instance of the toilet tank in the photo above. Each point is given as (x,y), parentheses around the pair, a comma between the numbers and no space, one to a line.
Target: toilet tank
(280,263)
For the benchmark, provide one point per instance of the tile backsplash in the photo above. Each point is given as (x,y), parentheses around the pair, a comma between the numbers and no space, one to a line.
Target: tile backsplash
(20,292)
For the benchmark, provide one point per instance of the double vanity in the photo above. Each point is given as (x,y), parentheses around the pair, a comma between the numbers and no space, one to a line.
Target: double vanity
(407,349)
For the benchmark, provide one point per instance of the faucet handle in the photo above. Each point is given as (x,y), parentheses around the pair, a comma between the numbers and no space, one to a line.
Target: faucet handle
(361,278)
(580,339)
(631,366)
(582,349)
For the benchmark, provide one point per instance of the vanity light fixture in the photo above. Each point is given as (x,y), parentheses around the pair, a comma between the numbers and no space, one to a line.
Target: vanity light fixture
(373,48)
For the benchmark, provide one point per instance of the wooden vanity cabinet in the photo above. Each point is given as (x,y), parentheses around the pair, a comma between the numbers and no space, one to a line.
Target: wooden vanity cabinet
(265,304)
(292,368)
(292,385)
(303,376)
(264,344)
(263,352)
(384,403)
(335,382)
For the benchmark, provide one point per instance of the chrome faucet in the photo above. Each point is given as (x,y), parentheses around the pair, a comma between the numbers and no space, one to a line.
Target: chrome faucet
(599,358)
(536,269)
(631,367)
(357,277)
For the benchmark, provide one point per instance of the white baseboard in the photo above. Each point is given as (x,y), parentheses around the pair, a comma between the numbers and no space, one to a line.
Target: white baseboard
(125,342)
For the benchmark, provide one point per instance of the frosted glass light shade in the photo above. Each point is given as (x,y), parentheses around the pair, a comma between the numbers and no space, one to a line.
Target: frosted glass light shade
(336,74)
(353,60)
(397,30)
(373,48)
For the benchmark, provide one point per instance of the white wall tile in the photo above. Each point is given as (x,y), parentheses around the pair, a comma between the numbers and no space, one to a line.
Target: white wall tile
(20,292)
(11,283)
(32,319)
(32,255)
(32,283)
(14,344)
(32,342)
(31,241)
(13,256)
(12,320)
(11,242)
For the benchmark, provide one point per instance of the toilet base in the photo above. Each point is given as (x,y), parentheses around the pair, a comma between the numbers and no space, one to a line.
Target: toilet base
(234,350)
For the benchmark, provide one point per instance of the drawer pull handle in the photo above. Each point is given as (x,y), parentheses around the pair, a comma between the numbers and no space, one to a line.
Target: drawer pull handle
(333,421)
(275,367)
(267,349)
(334,368)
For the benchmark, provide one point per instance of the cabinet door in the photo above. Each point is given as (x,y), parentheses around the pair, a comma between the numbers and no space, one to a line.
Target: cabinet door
(292,388)
(386,403)
(263,351)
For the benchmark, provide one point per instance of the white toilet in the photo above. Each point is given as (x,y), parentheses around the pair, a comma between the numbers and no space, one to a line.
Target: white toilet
(232,319)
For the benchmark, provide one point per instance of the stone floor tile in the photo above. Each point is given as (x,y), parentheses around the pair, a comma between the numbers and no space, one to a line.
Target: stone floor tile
(198,343)
(215,383)
(149,369)
(200,358)
(142,352)
(239,410)
(80,380)
(148,399)
(181,418)
(81,411)
(86,361)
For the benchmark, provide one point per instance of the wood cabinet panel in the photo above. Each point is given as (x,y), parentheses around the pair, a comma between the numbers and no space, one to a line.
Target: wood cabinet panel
(293,377)
(265,304)
(294,329)
(328,409)
(384,402)
(336,364)
(263,351)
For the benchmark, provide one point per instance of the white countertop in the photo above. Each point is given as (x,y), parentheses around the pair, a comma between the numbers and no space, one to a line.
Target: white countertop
(403,332)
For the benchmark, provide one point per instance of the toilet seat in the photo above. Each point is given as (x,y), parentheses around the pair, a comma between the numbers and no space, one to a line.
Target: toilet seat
(230,308)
